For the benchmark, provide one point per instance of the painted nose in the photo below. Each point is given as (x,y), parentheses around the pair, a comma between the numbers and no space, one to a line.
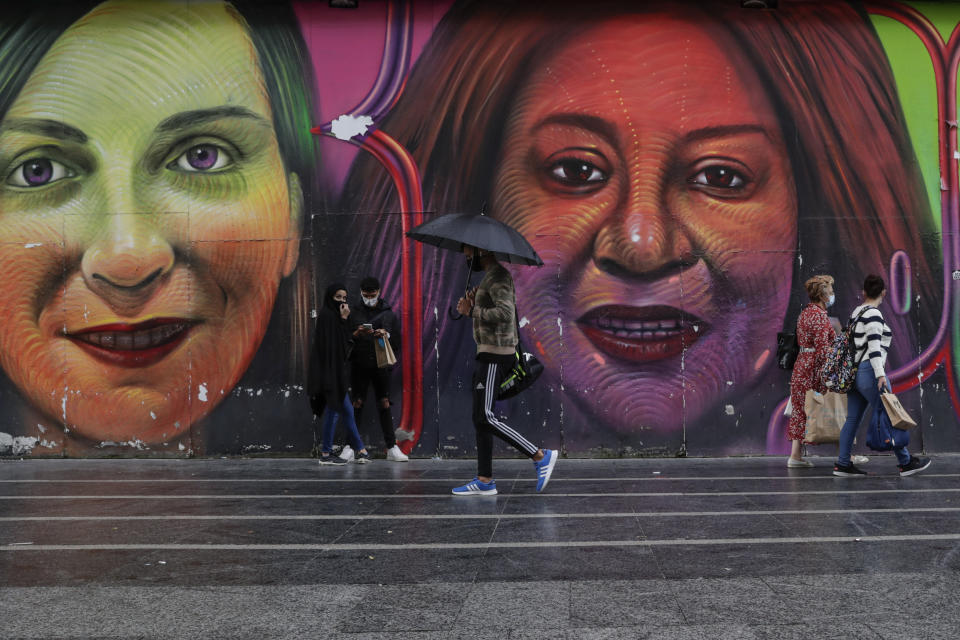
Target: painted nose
(643,245)
(127,262)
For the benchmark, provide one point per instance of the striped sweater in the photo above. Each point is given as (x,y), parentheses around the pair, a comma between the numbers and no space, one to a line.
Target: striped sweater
(873,336)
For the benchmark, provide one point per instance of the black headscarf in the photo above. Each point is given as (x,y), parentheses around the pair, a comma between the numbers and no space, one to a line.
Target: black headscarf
(328,379)
(328,301)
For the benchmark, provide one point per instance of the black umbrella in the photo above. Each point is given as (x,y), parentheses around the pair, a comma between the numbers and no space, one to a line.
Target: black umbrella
(454,230)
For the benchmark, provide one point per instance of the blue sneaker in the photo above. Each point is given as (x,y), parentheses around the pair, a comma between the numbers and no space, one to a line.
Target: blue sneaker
(545,468)
(477,488)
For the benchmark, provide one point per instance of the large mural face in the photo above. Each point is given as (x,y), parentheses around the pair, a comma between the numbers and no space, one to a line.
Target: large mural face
(657,199)
(174,194)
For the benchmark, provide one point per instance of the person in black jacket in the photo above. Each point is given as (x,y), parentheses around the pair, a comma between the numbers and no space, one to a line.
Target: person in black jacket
(328,377)
(374,319)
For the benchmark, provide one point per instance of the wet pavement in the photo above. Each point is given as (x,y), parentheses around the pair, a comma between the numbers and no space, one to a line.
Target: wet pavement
(737,548)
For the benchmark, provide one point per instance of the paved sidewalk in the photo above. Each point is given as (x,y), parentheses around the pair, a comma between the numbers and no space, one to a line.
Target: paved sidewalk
(735,548)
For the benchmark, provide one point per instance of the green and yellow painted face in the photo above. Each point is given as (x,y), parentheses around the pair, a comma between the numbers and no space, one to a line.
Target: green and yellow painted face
(146,220)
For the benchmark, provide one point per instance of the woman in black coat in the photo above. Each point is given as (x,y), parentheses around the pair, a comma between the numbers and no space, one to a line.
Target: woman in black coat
(329,377)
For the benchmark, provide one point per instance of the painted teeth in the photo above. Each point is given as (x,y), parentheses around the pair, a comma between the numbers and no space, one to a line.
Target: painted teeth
(642,330)
(605,322)
(133,340)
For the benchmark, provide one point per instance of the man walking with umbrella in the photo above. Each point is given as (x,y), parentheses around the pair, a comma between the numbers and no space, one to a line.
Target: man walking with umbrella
(492,306)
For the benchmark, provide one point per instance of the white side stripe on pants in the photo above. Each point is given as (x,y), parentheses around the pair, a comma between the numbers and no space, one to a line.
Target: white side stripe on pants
(525,444)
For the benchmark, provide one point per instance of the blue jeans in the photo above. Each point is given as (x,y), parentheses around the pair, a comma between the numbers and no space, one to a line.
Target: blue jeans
(330,424)
(865,392)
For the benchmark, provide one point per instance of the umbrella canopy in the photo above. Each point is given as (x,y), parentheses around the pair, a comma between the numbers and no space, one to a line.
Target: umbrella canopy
(454,230)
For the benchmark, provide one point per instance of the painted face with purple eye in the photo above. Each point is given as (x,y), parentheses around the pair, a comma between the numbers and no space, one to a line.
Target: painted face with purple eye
(202,158)
(38,172)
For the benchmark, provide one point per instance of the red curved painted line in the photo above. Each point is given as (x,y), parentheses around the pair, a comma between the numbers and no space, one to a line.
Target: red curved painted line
(406,179)
(411,256)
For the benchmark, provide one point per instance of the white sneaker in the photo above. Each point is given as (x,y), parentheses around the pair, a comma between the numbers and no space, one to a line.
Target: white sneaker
(799,464)
(346,453)
(394,454)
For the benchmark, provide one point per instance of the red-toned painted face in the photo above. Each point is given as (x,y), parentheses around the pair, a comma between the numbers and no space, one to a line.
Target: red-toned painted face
(645,164)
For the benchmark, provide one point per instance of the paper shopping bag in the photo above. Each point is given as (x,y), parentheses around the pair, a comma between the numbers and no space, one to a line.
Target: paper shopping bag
(826,414)
(899,418)
(385,355)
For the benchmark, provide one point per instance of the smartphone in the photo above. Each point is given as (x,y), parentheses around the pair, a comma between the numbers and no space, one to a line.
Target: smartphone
(367,325)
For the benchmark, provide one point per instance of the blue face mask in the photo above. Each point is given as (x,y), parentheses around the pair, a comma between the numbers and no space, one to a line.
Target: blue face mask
(831,300)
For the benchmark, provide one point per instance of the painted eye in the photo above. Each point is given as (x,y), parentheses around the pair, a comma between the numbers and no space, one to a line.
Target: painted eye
(202,158)
(38,172)
(574,172)
(720,177)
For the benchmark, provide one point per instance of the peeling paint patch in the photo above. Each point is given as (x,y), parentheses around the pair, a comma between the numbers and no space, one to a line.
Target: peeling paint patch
(202,393)
(524,322)
(728,410)
(17,444)
(348,126)
(137,444)
(31,245)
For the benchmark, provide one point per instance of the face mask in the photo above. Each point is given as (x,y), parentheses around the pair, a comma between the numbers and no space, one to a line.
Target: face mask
(370,302)
(831,300)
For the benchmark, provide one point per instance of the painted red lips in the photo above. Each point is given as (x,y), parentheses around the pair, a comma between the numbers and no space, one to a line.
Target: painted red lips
(641,334)
(133,345)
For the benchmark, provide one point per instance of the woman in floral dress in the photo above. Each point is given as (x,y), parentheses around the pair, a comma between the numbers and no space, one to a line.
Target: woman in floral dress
(815,335)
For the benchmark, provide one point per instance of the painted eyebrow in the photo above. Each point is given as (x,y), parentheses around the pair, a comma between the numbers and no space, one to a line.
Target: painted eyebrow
(609,130)
(725,130)
(200,116)
(591,123)
(46,127)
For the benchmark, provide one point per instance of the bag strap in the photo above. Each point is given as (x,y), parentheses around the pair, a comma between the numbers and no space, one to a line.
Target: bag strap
(850,329)
(516,315)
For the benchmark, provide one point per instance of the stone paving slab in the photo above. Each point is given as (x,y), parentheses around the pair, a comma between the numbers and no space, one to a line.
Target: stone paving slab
(738,548)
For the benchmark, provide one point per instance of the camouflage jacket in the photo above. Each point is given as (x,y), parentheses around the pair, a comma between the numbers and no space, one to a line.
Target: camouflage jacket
(494,313)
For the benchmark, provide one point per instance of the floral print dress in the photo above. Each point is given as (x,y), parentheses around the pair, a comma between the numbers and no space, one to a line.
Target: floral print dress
(813,332)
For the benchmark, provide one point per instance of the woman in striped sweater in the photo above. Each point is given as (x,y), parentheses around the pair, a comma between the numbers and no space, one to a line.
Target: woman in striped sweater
(871,337)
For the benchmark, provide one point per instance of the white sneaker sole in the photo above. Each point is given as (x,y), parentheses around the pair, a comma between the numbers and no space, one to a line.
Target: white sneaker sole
(904,474)
(798,464)
(483,492)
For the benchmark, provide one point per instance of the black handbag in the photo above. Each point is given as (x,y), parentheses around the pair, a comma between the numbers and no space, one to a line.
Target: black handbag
(525,371)
(787,349)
